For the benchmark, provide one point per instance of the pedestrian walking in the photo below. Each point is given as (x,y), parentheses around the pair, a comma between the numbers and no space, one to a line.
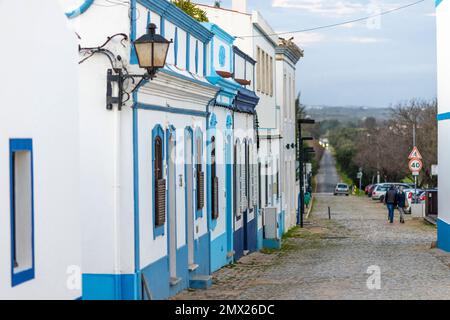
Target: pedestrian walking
(390,201)
(401,204)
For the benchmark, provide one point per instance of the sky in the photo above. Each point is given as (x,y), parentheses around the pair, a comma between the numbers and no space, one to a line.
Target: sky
(372,63)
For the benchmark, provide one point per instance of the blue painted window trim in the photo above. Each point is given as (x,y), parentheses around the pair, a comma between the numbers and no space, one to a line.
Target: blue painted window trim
(19,145)
(196,56)
(188,51)
(156,132)
(175,46)
(198,135)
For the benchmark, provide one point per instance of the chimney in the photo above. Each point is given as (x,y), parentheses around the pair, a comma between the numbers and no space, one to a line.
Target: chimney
(239,5)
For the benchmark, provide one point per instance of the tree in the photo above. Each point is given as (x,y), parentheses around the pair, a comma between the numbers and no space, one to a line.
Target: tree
(191,9)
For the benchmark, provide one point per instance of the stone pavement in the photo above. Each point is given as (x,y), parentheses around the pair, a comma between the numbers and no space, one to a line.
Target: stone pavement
(329,259)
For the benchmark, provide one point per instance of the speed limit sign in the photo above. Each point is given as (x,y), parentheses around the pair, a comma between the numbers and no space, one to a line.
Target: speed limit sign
(415,165)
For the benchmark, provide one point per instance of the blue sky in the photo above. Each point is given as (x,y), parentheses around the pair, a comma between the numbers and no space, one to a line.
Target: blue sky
(373,63)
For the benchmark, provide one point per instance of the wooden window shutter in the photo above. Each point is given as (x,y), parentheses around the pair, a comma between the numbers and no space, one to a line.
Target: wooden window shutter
(200,188)
(160,202)
(215,198)
(160,185)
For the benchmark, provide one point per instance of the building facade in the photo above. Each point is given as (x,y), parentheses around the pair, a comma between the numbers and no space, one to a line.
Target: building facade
(40,232)
(146,227)
(256,38)
(443,51)
(287,56)
(220,147)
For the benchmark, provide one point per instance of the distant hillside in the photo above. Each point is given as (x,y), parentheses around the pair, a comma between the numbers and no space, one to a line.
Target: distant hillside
(346,114)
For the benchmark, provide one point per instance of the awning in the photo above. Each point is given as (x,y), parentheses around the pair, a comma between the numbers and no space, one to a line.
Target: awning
(246,101)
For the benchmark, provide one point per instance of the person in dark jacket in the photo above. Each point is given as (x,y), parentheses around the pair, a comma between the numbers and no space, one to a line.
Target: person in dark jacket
(401,204)
(390,201)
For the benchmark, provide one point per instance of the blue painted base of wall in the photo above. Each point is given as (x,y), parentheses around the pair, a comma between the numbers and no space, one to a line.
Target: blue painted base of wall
(200,282)
(110,286)
(443,235)
(238,243)
(219,252)
(282,223)
(272,244)
(260,238)
(158,276)
(251,235)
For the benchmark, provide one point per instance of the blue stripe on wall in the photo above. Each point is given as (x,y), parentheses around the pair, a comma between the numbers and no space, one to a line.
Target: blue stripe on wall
(82,9)
(443,235)
(438,2)
(443,116)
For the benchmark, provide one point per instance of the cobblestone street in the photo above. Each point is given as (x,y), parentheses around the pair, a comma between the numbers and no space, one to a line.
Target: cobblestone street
(329,259)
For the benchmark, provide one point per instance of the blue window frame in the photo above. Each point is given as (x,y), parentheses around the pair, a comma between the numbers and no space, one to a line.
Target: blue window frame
(157,165)
(22,210)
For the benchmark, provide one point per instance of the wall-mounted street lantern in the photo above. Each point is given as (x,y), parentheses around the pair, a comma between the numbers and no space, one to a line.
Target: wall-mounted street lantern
(151,51)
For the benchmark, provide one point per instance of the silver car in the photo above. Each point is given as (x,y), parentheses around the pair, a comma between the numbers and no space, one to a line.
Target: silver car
(341,188)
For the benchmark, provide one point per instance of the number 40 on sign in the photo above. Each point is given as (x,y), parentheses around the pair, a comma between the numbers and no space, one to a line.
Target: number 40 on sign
(415,165)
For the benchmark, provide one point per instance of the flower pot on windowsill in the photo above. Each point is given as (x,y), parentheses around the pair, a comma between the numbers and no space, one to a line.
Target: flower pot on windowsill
(224,74)
(243,82)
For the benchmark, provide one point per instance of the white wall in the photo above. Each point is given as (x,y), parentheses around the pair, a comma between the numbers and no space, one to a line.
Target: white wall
(39,89)
(106,147)
(443,60)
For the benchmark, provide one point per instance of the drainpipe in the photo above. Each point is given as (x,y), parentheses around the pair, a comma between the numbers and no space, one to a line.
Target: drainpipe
(116,199)
(137,268)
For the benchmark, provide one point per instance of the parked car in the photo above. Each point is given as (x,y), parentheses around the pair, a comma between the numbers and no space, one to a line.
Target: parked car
(410,196)
(341,188)
(379,191)
(367,188)
(372,187)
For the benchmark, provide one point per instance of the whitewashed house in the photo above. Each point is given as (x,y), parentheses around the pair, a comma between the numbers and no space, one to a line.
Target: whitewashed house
(220,147)
(146,228)
(40,235)
(287,56)
(443,51)
(256,38)
(248,232)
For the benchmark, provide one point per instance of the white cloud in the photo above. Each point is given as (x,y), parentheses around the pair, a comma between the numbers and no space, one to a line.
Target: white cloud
(336,8)
(306,39)
(363,40)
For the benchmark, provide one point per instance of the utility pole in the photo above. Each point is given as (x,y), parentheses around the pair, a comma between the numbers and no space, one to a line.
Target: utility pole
(414,145)
(301,209)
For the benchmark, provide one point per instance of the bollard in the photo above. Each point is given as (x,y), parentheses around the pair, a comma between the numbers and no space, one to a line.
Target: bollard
(329,213)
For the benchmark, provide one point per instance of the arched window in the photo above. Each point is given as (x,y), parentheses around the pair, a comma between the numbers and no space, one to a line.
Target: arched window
(160,183)
(214,182)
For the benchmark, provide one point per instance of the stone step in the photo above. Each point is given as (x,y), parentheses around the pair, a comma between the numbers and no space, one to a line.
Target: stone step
(200,282)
